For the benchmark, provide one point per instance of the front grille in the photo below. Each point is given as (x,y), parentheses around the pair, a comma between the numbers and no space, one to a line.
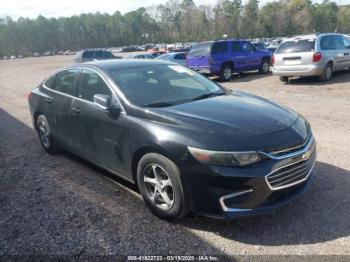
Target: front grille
(288,150)
(291,174)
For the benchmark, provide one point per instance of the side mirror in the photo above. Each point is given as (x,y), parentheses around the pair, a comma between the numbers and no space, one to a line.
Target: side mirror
(102,101)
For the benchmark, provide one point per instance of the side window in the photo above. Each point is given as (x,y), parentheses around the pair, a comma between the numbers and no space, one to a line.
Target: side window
(180,56)
(247,46)
(64,81)
(236,47)
(49,82)
(98,54)
(219,48)
(339,43)
(88,55)
(108,54)
(90,84)
(346,42)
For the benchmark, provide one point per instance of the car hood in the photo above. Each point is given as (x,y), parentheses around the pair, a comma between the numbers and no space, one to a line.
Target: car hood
(237,114)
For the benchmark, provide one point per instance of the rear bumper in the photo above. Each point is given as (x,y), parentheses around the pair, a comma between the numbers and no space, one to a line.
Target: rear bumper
(313,70)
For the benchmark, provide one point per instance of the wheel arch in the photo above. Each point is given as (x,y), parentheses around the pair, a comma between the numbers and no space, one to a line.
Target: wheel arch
(140,152)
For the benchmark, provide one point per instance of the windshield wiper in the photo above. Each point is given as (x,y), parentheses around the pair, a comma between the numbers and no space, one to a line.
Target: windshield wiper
(208,95)
(158,104)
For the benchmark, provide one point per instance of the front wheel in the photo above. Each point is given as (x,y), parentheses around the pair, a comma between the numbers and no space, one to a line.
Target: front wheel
(159,182)
(226,73)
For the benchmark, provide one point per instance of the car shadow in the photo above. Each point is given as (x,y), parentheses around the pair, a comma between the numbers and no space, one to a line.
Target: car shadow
(338,77)
(321,215)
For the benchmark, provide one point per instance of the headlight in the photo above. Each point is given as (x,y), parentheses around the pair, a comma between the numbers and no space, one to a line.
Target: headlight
(225,158)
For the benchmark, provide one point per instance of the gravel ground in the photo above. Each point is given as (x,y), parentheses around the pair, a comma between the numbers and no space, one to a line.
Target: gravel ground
(64,206)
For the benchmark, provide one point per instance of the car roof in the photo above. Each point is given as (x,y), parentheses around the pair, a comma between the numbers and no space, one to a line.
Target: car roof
(308,37)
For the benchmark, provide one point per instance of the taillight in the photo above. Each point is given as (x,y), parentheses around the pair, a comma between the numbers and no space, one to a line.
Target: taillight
(273,60)
(211,61)
(316,57)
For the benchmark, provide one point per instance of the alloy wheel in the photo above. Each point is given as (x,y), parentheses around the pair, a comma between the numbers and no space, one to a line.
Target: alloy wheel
(158,186)
(44,133)
(227,73)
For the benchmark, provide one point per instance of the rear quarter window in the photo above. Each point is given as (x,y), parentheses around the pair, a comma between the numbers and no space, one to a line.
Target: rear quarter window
(298,46)
(202,49)
(219,48)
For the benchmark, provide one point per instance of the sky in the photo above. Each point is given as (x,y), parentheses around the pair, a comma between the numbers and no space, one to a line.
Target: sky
(57,8)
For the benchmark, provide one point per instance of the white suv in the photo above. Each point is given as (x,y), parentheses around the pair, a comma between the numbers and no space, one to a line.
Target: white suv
(311,55)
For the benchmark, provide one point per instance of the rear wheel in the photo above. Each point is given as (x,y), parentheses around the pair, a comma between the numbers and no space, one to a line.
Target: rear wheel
(44,132)
(264,66)
(327,73)
(284,79)
(226,72)
(158,179)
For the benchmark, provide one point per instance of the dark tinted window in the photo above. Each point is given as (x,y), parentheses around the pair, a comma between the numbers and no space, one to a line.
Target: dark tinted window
(90,84)
(180,56)
(88,55)
(247,46)
(64,81)
(219,48)
(49,82)
(202,49)
(98,54)
(236,47)
(297,46)
(108,54)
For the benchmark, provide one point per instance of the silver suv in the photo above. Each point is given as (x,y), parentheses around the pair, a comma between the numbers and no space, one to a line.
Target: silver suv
(311,55)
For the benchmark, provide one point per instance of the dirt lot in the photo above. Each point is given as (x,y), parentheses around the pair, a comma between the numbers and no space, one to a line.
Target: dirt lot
(61,205)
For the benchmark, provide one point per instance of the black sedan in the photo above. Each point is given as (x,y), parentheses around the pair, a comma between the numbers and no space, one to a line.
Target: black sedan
(187,143)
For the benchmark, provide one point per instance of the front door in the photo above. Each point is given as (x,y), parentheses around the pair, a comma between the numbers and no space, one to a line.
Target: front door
(100,133)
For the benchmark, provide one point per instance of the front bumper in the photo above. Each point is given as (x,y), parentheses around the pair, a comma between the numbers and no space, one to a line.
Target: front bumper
(312,70)
(233,192)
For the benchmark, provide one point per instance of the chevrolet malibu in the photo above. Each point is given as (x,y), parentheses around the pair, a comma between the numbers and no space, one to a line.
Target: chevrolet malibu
(187,143)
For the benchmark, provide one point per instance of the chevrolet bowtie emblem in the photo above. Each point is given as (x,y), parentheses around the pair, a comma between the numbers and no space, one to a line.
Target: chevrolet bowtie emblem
(306,155)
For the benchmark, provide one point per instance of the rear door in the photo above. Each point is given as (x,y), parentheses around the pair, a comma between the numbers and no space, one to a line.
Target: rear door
(62,96)
(295,53)
(237,56)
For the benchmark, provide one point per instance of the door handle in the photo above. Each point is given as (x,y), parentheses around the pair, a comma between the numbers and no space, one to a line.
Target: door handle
(48,100)
(76,110)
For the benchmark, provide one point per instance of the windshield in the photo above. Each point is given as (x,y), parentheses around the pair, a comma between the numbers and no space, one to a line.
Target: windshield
(202,49)
(158,85)
(297,46)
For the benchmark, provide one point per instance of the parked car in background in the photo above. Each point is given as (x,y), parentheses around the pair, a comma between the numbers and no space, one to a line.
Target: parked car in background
(312,55)
(259,45)
(224,57)
(141,56)
(179,58)
(157,53)
(188,144)
(93,54)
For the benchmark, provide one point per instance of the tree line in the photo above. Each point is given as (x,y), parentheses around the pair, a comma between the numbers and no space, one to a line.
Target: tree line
(174,21)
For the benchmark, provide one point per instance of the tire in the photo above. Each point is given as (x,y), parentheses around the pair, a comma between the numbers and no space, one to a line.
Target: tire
(284,79)
(45,137)
(157,177)
(326,73)
(264,67)
(226,73)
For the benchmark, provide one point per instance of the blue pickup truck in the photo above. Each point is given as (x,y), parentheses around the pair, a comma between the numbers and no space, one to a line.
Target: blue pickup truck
(224,57)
